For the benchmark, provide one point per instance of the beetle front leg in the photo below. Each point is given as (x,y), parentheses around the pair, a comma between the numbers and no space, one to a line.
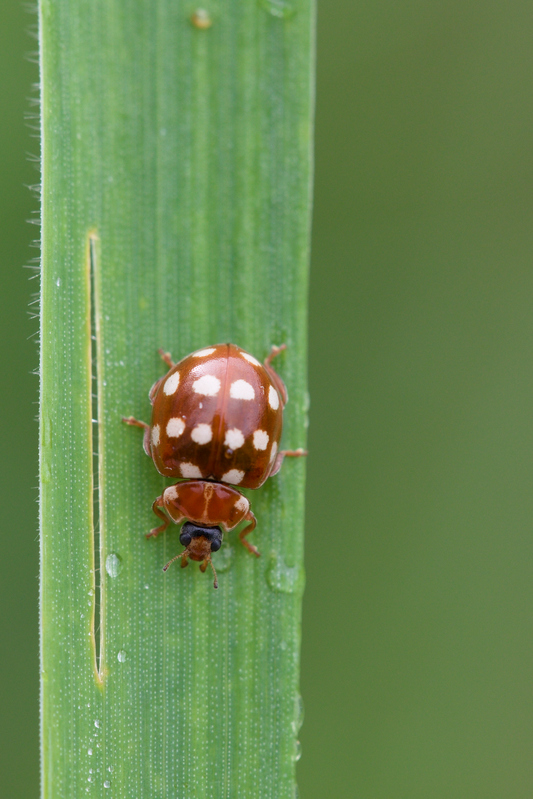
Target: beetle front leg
(248,529)
(158,512)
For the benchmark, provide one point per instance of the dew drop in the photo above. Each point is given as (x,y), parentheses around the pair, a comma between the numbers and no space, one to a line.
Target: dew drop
(279,8)
(90,779)
(298,714)
(110,769)
(58,282)
(283,578)
(201,19)
(224,558)
(306,406)
(107,784)
(121,656)
(297,751)
(97,723)
(89,751)
(113,564)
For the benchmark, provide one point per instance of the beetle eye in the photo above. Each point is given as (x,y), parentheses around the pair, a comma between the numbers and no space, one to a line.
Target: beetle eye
(185,539)
(216,543)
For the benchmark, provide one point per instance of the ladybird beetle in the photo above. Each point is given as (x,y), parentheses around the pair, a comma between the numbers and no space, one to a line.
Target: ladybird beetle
(216,423)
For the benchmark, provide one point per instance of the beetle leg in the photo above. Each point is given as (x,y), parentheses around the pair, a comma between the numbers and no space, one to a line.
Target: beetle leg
(158,512)
(278,382)
(203,566)
(146,438)
(289,453)
(274,352)
(253,522)
(167,357)
(135,422)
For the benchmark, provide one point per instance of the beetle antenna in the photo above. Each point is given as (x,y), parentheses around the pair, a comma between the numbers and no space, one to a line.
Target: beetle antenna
(215,584)
(179,555)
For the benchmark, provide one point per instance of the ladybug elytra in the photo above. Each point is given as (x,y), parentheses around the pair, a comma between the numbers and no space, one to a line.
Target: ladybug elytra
(217,417)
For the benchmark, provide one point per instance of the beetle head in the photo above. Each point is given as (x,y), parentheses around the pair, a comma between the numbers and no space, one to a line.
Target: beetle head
(199,543)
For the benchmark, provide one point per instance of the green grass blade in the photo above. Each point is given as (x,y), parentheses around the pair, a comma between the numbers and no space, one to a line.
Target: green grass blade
(176,209)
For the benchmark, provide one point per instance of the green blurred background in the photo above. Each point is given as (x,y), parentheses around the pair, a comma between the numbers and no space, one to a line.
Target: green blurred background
(417,668)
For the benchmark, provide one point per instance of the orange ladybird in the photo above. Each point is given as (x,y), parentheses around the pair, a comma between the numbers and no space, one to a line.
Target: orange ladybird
(217,418)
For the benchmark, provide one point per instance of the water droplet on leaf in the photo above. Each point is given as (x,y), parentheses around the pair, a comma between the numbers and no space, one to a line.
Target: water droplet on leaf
(201,19)
(223,558)
(113,564)
(298,714)
(283,578)
(279,8)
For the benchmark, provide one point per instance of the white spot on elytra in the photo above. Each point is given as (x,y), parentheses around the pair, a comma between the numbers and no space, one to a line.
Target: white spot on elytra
(190,470)
(234,438)
(250,358)
(171,384)
(203,353)
(234,476)
(209,385)
(202,434)
(155,435)
(241,389)
(261,439)
(242,504)
(273,398)
(175,427)
(273,452)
